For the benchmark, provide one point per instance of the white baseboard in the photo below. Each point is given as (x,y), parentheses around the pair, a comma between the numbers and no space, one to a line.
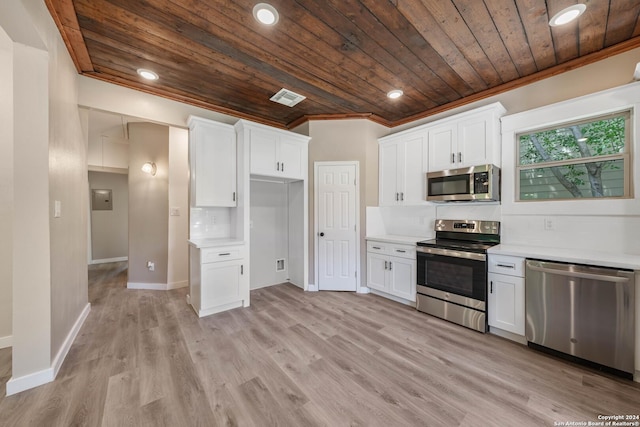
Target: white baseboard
(312,288)
(71,337)
(108,260)
(363,290)
(158,286)
(26,382)
(392,297)
(35,379)
(177,285)
(6,341)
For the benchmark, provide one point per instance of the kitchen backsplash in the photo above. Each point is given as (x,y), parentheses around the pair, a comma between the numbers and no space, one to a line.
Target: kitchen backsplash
(419,220)
(210,223)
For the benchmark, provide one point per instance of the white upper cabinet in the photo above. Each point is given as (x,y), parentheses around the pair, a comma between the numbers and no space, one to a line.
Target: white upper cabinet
(212,157)
(276,153)
(403,164)
(466,139)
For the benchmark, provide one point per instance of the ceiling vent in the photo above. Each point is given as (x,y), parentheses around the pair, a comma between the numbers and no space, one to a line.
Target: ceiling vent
(287,97)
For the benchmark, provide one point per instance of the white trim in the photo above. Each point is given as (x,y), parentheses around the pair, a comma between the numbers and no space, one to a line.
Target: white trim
(315,218)
(312,288)
(26,382)
(392,297)
(521,339)
(35,379)
(363,290)
(6,342)
(148,286)
(177,285)
(219,308)
(108,260)
(71,337)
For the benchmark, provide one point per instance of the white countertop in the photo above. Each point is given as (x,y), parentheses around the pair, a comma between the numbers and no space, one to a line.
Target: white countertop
(212,243)
(578,256)
(393,238)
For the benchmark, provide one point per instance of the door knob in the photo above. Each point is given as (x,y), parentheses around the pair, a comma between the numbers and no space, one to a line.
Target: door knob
(321,234)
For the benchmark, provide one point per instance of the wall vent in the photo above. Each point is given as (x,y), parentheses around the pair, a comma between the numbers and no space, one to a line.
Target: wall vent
(287,97)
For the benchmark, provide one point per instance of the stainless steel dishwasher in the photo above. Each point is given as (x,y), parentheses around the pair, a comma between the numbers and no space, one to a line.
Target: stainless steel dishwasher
(582,311)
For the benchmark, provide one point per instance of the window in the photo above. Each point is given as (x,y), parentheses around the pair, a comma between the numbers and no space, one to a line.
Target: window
(578,160)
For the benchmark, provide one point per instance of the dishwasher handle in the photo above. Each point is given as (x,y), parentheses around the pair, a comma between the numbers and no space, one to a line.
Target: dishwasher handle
(577,272)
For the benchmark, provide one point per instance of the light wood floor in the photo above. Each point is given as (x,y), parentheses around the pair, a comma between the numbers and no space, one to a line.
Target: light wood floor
(143,358)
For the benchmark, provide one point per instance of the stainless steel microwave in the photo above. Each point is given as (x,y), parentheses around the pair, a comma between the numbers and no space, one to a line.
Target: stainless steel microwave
(475,183)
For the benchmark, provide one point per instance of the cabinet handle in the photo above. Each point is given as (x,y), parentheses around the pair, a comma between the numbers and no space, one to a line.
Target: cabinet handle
(459,156)
(390,265)
(397,196)
(241,269)
(402,197)
(234,196)
(491,288)
(282,167)
(401,251)
(506,266)
(376,247)
(385,265)
(453,157)
(278,166)
(225,254)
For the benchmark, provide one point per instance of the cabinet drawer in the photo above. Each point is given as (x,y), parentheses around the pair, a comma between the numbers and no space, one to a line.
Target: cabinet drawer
(377,247)
(221,254)
(403,251)
(504,264)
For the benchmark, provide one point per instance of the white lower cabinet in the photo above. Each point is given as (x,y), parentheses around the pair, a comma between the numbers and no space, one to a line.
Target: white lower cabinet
(217,279)
(391,268)
(506,305)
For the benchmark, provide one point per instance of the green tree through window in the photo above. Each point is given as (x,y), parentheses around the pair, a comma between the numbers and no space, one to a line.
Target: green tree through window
(578,160)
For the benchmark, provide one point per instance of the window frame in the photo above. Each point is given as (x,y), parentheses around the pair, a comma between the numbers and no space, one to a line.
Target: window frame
(625,156)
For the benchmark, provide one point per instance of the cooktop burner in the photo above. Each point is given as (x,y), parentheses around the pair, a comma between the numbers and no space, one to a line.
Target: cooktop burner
(464,235)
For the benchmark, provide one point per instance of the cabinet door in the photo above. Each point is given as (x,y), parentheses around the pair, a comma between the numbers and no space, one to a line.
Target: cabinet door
(290,157)
(263,153)
(388,193)
(402,274)
(506,303)
(472,142)
(413,170)
(442,145)
(377,271)
(214,163)
(221,283)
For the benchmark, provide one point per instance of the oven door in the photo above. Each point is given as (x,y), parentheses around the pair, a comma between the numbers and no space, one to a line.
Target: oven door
(459,273)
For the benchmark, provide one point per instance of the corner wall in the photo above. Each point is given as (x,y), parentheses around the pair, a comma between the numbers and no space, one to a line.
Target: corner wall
(178,250)
(335,140)
(6,189)
(148,204)
(110,228)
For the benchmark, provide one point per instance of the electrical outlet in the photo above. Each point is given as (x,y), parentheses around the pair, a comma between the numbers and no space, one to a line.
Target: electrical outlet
(151,265)
(549,224)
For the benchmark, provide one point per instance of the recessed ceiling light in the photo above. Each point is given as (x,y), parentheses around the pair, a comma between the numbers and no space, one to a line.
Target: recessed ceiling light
(567,15)
(265,14)
(394,94)
(147,74)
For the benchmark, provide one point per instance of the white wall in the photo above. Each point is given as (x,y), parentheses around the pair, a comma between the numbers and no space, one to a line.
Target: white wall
(6,188)
(600,225)
(110,228)
(269,232)
(178,249)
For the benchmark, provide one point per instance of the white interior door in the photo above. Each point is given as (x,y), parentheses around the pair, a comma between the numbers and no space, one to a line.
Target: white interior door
(337,234)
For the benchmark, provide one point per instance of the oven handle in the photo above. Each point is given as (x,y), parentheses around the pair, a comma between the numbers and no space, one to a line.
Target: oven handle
(452,253)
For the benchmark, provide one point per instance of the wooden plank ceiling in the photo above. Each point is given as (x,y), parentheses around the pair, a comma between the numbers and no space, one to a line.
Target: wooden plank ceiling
(343,55)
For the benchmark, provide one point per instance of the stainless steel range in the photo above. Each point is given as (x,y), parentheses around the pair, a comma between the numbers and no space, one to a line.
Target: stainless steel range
(452,271)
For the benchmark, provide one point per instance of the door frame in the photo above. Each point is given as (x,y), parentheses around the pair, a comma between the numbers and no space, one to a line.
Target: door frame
(316,243)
